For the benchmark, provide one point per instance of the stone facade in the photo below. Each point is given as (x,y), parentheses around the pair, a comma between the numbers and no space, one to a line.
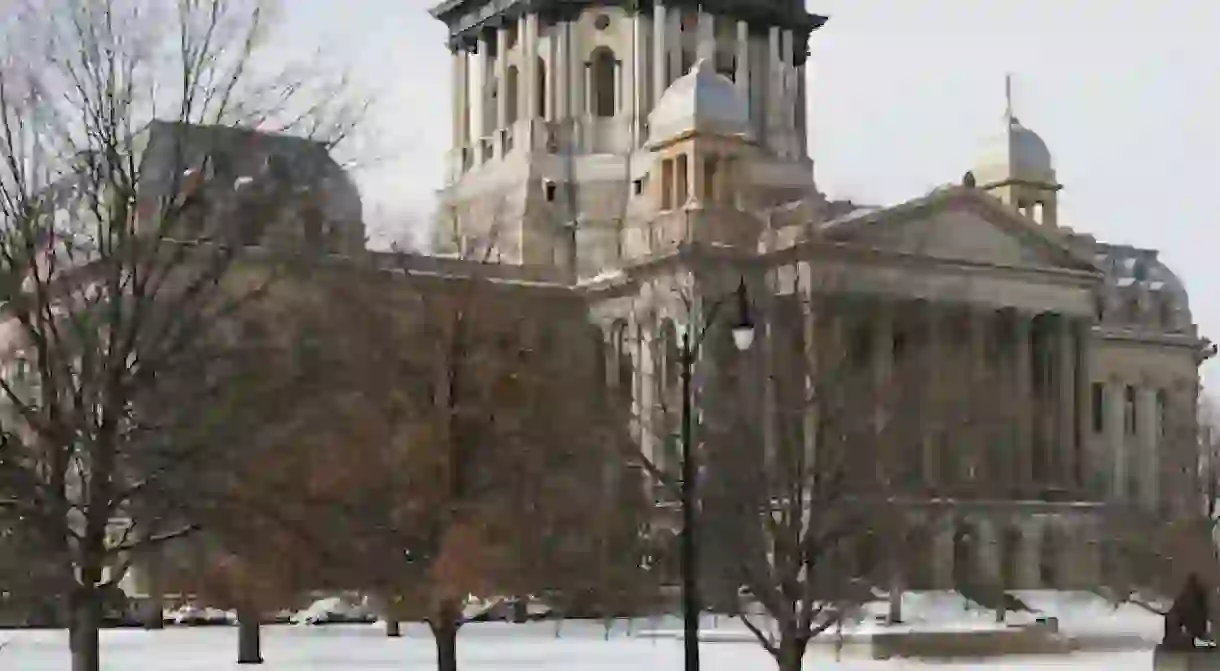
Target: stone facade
(655,153)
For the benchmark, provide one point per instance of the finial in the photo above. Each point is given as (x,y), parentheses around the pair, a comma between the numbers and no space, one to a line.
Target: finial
(1009,116)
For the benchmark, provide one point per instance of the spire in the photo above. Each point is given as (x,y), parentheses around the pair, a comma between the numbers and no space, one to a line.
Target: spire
(1009,115)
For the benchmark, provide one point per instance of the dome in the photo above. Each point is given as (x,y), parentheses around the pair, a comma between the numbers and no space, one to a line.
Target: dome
(1018,153)
(701,101)
(1127,267)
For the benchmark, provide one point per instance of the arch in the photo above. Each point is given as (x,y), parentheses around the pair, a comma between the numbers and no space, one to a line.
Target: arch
(540,90)
(511,90)
(603,75)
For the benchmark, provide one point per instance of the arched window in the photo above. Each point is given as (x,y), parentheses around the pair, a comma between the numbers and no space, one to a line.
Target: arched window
(540,89)
(602,77)
(511,91)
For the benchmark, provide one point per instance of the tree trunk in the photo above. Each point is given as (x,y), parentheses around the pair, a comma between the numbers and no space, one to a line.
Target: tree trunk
(154,609)
(392,628)
(83,631)
(791,653)
(445,633)
(249,645)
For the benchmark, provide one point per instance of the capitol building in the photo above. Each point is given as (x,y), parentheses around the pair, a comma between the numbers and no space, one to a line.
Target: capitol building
(650,156)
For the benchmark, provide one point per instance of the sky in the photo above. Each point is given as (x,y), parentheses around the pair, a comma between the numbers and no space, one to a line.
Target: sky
(1126,94)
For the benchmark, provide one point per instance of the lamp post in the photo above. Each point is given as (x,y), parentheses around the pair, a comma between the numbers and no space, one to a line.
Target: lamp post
(743,338)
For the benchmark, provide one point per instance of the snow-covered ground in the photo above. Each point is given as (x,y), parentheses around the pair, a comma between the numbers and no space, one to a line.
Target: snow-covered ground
(579,645)
(482,647)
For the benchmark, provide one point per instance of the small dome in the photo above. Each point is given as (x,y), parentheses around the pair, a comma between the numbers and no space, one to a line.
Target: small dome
(701,101)
(1127,268)
(1018,153)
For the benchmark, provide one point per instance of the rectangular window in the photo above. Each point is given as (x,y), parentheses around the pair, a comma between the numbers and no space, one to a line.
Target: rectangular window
(1099,407)
(681,188)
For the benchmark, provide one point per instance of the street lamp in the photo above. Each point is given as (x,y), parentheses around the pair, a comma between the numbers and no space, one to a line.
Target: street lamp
(743,338)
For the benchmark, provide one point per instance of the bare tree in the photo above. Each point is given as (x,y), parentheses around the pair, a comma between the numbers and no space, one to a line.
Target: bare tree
(121,227)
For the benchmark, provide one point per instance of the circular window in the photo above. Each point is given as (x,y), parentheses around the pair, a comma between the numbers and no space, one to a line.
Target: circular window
(602,22)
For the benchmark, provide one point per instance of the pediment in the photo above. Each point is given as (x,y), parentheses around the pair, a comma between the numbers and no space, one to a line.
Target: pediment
(962,225)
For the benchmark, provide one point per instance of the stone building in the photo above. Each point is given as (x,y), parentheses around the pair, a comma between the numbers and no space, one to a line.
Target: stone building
(654,153)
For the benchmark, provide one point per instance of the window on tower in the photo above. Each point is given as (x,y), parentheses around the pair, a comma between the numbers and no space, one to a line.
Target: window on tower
(681,186)
(603,73)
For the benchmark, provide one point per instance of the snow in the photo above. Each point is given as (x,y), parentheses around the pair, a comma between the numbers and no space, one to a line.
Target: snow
(552,646)
(481,647)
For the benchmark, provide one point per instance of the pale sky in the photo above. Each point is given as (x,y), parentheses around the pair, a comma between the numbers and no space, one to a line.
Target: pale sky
(1126,94)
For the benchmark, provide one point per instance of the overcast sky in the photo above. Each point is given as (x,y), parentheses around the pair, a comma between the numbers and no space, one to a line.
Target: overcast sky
(1125,92)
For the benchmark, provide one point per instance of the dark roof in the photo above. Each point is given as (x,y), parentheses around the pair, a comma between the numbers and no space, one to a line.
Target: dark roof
(466,18)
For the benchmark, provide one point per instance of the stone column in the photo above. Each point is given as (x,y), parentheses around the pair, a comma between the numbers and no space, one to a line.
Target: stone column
(981,410)
(942,551)
(786,101)
(562,70)
(988,545)
(530,38)
(706,47)
(1084,463)
(882,351)
(742,76)
(1029,563)
(1148,426)
(802,118)
(1023,400)
(639,77)
(810,330)
(674,28)
(501,78)
(1066,379)
(587,89)
(931,402)
(774,89)
(486,118)
(461,107)
(645,395)
(1115,438)
(660,51)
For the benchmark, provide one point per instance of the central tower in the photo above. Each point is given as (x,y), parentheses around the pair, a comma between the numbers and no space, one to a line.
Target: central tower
(551,103)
